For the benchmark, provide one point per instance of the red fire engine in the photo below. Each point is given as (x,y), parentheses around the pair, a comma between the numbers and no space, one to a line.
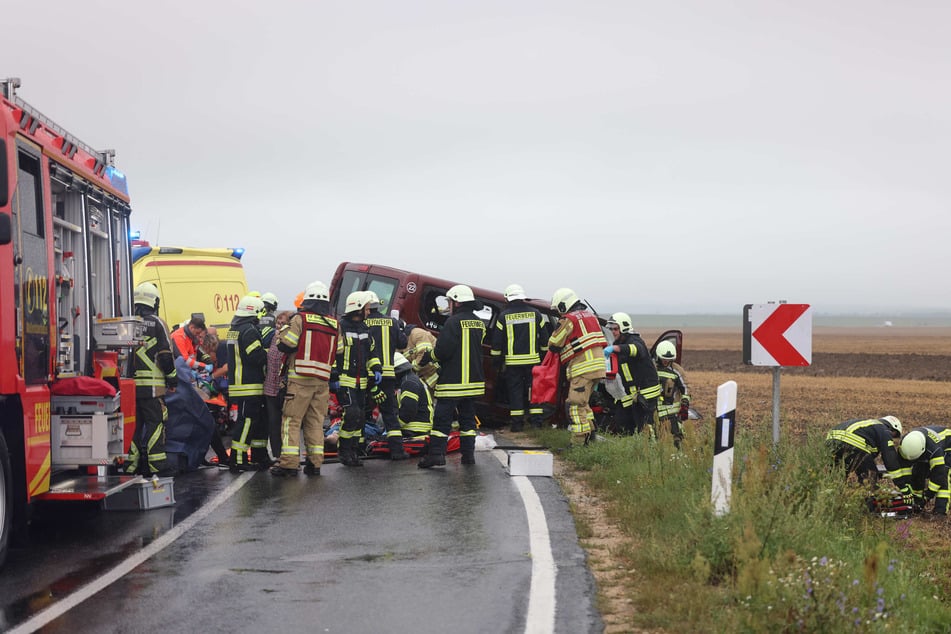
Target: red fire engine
(65,306)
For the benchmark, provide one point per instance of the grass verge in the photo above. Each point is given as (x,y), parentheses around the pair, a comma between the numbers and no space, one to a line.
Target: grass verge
(798,550)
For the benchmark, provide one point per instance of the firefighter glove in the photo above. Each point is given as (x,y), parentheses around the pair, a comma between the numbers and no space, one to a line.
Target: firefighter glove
(377,376)
(377,394)
(608,350)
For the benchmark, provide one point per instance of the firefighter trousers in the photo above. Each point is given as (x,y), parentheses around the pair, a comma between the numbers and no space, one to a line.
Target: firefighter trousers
(147,451)
(305,408)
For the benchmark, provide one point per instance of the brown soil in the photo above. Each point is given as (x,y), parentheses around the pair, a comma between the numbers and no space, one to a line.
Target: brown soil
(860,372)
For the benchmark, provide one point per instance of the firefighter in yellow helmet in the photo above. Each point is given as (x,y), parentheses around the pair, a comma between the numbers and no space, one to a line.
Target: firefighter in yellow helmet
(925,453)
(461,377)
(247,360)
(673,406)
(579,342)
(310,341)
(388,337)
(638,376)
(155,374)
(360,373)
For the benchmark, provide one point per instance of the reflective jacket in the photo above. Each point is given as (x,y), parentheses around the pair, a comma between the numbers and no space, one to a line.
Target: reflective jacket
(673,388)
(415,405)
(419,345)
(459,353)
(247,359)
(871,436)
(388,337)
(635,367)
(520,335)
(153,365)
(935,463)
(311,339)
(357,356)
(579,342)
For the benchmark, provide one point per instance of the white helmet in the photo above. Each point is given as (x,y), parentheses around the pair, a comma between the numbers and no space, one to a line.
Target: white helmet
(460,293)
(401,364)
(563,299)
(146,294)
(249,306)
(317,290)
(666,350)
(892,422)
(623,322)
(373,299)
(356,301)
(270,298)
(912,445)
(513,292)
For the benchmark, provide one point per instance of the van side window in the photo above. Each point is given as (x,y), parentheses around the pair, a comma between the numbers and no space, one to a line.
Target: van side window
(434,309)
(385,289)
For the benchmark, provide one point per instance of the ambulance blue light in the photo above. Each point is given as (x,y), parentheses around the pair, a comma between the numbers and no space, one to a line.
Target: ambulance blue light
(237,253)
(135,235)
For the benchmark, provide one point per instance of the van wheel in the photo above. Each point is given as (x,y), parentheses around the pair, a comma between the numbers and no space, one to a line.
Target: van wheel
(6,499)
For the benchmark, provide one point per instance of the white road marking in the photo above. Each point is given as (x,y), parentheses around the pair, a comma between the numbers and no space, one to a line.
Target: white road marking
(128,565)
(541,597)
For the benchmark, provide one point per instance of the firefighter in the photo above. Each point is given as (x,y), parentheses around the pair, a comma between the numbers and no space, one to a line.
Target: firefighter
(637,408)
(247,359)
(926,450)
(458,351)
(360,372)
(518,341)
(154,369)
(267,323)
(579,342)
(673,405)
(856,442)
(388,336)
(415,400)
(419,351)
(310,340)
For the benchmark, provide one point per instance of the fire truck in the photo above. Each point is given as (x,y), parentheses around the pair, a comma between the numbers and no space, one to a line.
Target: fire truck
(65,313)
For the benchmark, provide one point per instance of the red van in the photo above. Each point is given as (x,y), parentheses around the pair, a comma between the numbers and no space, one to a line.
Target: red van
(421,300)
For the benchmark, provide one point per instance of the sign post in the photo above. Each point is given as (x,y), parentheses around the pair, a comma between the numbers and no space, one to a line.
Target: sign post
(777,335)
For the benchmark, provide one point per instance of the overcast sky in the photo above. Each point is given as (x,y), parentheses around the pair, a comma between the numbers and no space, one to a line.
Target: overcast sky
(683,156)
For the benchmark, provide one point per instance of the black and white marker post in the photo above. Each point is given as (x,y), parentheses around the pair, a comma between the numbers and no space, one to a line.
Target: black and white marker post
(723,448)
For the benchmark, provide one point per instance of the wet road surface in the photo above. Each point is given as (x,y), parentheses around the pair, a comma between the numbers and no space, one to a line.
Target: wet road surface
(386,547)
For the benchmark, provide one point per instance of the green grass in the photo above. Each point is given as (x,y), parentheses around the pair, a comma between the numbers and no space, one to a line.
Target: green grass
(798,550)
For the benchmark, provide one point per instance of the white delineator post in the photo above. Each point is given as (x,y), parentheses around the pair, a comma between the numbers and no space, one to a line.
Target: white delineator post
(723,448)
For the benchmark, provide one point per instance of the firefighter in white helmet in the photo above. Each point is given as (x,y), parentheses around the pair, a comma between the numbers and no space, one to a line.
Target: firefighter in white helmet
(579,342)
(519,340)
(461,377)
(247,359)
(360,373)
(636,410)
(267,323)
(673,406)
(388,337)
(310,341)
(925,450)
(154,370)
(856,443)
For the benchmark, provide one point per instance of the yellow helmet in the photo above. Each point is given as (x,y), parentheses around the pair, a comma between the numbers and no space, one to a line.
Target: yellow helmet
(563,299)
(912,445)
(146,294)
(623,322)
(666,350)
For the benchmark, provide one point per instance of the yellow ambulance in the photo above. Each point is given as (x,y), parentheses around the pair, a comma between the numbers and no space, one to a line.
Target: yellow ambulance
(192,280)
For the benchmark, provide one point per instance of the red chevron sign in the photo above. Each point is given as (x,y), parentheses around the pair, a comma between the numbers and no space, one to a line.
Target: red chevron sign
(781,334)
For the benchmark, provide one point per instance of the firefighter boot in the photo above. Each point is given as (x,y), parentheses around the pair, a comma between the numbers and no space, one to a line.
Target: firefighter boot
(517,424)
(348,453)
(436,456)
(467,446)
(395,444)
(260,458)
(311,469)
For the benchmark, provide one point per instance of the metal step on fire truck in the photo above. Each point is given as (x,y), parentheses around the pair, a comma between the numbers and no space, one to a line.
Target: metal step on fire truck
(65,312)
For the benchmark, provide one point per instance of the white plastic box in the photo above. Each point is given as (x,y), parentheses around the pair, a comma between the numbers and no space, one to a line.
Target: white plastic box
(85,404)
(119,332)
(86,439)
(147,494)
(531,463)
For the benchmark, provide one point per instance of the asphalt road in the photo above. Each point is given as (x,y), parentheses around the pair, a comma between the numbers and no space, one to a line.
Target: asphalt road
(387,547)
